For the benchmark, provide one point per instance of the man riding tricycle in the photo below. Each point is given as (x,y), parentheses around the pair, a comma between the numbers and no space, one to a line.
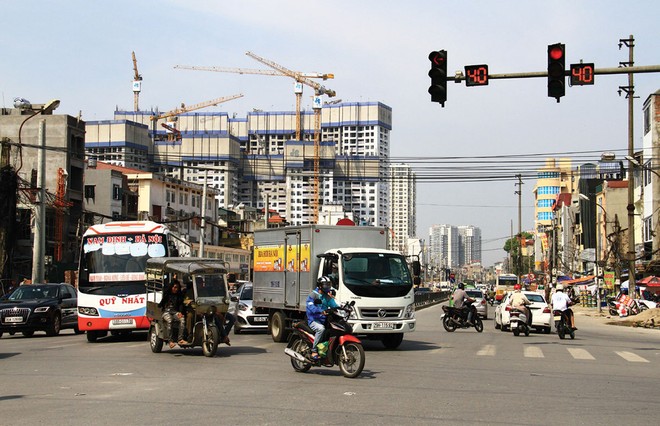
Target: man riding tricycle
(187,299)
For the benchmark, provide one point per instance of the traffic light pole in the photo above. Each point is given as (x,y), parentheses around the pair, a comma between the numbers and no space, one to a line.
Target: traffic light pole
(459,77)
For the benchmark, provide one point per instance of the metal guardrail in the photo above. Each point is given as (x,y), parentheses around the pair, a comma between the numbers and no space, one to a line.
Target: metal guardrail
(429,298)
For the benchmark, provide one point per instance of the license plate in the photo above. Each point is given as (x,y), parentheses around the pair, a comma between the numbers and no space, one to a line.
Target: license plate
(514,324)
(122,321)
(383,326)
(557,318)
(14,319)
(260,319)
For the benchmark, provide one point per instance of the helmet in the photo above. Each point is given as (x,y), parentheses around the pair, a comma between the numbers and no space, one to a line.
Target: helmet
(560,287)
(517,287)
(461,286)
(325,284)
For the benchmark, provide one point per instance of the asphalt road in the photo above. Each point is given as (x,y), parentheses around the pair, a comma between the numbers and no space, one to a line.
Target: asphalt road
(608,375)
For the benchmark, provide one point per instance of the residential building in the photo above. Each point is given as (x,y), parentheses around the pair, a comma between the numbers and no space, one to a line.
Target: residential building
(469,244)
(650,180)
(443,246)
(402,206)
(254,159)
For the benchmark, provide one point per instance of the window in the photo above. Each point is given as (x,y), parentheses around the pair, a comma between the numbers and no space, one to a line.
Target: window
(116,192)
(90,191)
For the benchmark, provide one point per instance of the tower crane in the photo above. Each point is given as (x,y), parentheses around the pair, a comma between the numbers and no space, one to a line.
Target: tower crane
(187,108)
(316,105)
(137,83)
(60,204)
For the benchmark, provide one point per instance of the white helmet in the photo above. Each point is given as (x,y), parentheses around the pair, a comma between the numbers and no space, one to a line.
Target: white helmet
(560,287)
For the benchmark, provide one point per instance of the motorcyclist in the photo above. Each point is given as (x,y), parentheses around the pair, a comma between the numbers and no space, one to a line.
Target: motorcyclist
(459,298)
(519,301)
(561,302)
(318,302)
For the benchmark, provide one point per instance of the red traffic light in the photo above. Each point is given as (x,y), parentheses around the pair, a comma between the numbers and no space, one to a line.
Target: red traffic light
(556,52)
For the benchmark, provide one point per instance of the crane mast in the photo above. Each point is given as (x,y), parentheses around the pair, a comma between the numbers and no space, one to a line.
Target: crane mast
(137,84)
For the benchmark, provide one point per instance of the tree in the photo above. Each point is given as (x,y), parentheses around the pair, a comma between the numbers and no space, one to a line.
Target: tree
(520,264)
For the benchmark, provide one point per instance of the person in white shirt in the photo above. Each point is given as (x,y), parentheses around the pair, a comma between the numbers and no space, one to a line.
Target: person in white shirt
(561,302)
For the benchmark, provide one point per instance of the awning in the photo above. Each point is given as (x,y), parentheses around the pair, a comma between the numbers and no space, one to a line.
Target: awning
(583,280)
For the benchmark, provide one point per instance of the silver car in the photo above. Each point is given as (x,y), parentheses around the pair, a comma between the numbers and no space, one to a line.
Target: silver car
(241,307)
(480,301)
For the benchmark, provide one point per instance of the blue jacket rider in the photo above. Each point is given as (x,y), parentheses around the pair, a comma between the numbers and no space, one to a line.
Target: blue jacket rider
(318,301)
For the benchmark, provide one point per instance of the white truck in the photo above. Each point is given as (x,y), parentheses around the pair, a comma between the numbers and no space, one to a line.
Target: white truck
(288,262)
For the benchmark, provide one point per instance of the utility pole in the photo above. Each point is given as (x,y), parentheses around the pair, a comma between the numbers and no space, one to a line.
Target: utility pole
(202,231)
(38,249)
(630,94)
(519,192)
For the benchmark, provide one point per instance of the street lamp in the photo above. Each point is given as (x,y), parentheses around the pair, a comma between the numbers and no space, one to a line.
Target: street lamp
(596,253)
(39,245)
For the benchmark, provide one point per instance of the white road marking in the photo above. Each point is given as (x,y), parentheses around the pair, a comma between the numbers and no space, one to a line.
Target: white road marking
(533,352)
(487,350)
(629,356)
(578,353)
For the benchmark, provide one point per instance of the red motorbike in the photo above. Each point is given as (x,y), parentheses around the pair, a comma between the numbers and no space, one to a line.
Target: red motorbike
(343,348)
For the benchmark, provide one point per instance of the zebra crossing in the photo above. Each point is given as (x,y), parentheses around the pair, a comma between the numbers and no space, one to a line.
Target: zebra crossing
(576,353)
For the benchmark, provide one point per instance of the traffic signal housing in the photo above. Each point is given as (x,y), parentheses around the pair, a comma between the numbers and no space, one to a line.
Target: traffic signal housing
(438,74)
(556,70)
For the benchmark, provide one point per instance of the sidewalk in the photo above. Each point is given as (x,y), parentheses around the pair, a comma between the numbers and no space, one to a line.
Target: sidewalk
(647,319)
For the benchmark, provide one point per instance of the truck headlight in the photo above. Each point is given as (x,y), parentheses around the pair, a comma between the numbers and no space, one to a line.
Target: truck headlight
(410,311)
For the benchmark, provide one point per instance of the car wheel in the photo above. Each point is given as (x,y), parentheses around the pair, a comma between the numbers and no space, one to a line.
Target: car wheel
(237,330)
(28,333)
(497,326)
(55,326)
(0,333)
(546,330)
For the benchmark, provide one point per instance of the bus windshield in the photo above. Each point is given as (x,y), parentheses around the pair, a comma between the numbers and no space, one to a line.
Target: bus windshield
(376,274)
(118,260)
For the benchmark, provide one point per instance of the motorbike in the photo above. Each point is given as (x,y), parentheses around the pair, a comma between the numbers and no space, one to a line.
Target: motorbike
(562,325)
(454,318)
(613,306)
(518,322)
(342,347)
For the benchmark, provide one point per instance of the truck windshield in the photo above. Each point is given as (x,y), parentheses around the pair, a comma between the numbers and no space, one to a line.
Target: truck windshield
(376,274)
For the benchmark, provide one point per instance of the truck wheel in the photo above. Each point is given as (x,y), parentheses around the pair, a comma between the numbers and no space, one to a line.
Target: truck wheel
(277,326)
(392,340)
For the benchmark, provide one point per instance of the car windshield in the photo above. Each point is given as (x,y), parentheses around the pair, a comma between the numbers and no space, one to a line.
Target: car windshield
(475,293)
(34,292)
(246,294)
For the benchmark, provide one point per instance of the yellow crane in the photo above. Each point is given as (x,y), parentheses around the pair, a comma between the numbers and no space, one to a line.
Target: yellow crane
(281,72)
(316,105)
(187,108)
(137,83)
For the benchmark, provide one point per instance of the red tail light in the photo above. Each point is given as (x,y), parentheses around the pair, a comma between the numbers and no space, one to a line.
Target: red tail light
(483,301)
(546,310)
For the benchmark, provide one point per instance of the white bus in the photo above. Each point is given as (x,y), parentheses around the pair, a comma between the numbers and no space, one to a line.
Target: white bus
(111,275)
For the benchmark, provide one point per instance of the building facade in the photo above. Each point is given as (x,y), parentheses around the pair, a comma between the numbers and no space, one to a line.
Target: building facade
(253,159)
(403,203)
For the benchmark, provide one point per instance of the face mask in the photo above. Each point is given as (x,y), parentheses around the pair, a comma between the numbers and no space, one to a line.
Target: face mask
(326,288)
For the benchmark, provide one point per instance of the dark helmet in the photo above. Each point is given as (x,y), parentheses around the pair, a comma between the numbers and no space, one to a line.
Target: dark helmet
(461,286)
(325,284)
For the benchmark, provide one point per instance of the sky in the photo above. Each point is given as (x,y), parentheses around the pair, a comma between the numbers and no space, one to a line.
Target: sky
(80,52)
